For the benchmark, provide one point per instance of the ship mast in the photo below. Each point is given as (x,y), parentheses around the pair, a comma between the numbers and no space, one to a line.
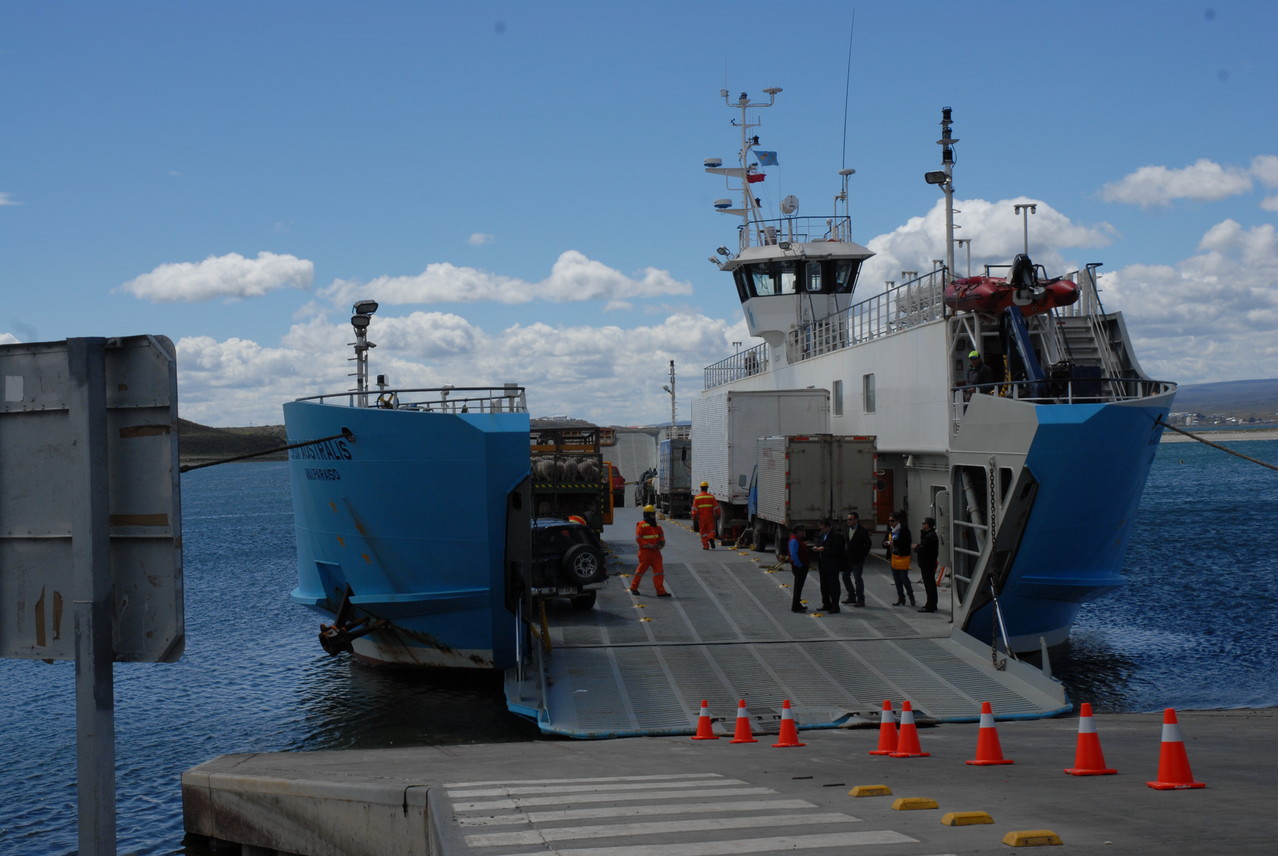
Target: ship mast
(945,178)
(749,208)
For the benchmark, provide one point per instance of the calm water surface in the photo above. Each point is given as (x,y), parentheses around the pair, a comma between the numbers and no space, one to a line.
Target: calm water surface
(1194,628)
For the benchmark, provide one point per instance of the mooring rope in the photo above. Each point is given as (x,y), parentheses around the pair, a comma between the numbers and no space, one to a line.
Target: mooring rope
(346,434)
(1217,446)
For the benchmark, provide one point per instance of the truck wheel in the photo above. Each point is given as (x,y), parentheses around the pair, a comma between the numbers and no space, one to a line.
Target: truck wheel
(760,537)
(783,543)
(583,564)
(584,601)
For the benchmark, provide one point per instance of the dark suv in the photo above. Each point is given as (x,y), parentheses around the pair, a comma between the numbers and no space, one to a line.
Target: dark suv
(567,561)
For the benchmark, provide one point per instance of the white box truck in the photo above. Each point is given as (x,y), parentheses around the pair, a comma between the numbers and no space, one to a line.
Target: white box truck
(726,428)
(807,478)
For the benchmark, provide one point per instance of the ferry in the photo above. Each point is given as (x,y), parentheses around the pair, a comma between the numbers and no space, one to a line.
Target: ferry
(407,504)
(1033,474)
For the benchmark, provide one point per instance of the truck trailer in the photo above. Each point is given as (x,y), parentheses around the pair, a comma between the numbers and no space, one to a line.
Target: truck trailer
(726,428)
(804,479)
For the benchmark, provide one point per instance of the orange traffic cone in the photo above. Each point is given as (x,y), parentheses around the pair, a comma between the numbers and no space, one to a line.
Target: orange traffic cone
(887,731)
(743,726)
(989,752)
(704,728)
(1173,763)
(789,731)
(907,742)
(1088,758)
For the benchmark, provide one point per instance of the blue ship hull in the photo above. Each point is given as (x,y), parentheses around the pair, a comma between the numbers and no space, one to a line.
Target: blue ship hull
(1090,463)
(405,523)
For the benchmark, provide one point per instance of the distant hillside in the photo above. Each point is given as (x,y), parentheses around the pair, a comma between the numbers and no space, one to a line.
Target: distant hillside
(1241,399)
(199,444)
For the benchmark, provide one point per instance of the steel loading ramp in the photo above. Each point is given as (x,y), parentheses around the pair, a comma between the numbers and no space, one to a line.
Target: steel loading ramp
(640,665)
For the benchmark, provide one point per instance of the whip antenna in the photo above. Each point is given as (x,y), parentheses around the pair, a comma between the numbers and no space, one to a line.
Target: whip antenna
(847,90)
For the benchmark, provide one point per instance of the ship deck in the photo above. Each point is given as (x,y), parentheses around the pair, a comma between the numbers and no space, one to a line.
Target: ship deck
(640,666)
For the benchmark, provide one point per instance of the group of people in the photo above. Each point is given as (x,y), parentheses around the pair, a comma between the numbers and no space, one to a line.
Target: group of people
(838,551)
(840,554)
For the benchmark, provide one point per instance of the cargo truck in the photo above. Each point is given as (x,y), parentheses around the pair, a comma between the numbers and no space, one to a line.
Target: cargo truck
(673,484)
(569,476)
(726,428)
(804,479)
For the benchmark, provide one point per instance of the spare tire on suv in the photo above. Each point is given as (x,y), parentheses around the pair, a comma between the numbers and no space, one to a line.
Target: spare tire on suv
(567,561)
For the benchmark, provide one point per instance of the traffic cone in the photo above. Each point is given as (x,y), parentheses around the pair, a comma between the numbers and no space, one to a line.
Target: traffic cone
(704,728)
(989,752)
(1173,763)
(887,731)
(743,725)
(907,742)
(1088,758)
(789,731)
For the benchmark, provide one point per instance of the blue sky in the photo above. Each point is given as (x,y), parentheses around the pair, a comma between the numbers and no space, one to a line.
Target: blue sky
(520,184)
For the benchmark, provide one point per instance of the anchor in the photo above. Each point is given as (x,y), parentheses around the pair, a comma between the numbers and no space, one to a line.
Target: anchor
(336,638)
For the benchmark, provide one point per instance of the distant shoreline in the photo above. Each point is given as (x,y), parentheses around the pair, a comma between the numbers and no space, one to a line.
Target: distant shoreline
(1232,436)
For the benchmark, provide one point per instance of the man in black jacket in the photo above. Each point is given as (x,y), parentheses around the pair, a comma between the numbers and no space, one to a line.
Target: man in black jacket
(926,550)
(858,541)
(831,549)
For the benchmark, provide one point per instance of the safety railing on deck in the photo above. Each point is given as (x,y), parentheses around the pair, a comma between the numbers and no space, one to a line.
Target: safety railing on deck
(447,399)
(1065,391)
(740,365)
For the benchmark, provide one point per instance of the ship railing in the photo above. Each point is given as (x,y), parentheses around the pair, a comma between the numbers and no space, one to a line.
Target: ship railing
(509,398)
(795,230)
(740,365)
(918,301)
(1089,390)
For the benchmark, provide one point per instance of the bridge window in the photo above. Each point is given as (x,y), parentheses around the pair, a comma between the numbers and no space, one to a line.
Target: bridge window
(812,277)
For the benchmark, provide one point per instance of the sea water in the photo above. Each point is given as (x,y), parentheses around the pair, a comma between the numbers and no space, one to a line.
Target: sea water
(1194,628)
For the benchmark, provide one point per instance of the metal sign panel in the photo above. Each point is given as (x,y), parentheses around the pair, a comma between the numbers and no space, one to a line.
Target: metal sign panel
(44,467)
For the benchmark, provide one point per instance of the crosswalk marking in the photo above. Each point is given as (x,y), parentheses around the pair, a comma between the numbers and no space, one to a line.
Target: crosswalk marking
(585,788)
(603,796)
(505,782)
(630,830)
(776,844)
(634,811)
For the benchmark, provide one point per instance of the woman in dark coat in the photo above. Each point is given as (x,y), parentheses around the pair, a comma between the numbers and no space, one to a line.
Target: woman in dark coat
(898,544)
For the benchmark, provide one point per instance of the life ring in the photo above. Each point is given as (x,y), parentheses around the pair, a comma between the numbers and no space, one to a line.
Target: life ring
(388,401)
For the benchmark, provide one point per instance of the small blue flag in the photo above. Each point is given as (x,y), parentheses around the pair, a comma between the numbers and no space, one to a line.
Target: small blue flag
(766,158)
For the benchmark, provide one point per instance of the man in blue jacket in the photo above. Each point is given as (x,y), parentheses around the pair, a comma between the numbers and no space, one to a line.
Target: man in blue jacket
(800,559)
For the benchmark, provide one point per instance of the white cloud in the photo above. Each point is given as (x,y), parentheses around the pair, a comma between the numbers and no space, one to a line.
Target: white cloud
(573,278)
(606,373)
(232,277)
(1209,317)
(9,339)
(6,199)
(997,234)
(1203,181)
(478,239)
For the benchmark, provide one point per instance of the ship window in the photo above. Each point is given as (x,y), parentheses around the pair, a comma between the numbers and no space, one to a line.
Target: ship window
(787,276)
(867,393)
(743,285)
(812,277)
(845,271)
(836,394)
(762,280)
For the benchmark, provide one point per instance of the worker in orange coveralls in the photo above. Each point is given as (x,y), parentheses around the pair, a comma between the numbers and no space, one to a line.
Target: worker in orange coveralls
(651,539)
(705,510)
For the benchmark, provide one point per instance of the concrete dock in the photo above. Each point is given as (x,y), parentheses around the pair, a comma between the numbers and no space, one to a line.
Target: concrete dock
(674,795)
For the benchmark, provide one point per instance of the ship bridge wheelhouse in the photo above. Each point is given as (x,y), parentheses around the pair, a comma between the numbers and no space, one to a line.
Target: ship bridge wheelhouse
(772,277)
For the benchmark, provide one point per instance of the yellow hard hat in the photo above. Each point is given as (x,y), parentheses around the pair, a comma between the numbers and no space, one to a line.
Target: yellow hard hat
(974,355)
(649,509)
(705,484)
